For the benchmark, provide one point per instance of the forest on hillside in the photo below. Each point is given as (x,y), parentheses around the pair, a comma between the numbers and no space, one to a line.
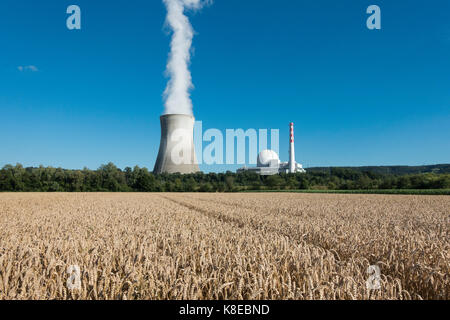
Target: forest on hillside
(395,170)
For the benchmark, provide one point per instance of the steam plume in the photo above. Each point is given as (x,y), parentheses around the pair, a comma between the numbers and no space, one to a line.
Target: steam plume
(177,93)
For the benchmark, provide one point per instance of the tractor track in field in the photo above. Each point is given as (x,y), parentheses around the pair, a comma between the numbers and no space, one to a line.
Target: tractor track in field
(258,226)
(340,256)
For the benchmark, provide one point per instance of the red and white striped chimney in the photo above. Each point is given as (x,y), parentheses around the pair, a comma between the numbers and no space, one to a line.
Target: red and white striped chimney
(291,149)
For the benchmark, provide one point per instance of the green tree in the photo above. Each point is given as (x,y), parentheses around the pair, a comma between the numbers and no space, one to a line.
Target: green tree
(143,180)
(404,182)
(274,181)
(191,185)
(55,187)
(292,183)
(206,187)
(229,181)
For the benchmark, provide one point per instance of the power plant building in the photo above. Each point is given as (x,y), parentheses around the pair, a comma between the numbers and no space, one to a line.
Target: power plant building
(268,162)
(177,152)
(176,149)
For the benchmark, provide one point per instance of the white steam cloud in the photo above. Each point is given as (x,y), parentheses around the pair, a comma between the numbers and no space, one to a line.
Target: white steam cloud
(177,93)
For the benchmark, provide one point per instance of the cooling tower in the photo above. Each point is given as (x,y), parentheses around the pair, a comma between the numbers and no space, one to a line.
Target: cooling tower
(176,150)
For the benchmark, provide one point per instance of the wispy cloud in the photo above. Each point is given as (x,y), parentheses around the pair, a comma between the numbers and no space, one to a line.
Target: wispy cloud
(27,68)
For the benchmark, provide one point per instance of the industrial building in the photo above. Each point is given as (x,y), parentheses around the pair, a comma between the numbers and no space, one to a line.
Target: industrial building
(268,162)
(177,153)
(176,149)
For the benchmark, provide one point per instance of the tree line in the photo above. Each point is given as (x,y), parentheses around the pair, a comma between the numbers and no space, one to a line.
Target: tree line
(110,178)
(395,170)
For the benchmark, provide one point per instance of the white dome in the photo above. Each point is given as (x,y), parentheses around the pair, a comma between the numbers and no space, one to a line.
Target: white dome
(265,157)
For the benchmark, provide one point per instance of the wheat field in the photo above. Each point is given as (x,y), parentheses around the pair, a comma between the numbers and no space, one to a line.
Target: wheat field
(223,246)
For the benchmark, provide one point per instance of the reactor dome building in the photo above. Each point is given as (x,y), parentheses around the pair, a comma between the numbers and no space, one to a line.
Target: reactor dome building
(268,158)
(268,162)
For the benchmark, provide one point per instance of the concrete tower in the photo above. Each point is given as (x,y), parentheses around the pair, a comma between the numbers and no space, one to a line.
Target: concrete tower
(176,150)
(292,163)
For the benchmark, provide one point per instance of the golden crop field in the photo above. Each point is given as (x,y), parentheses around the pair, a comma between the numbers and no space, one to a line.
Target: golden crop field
(223,246)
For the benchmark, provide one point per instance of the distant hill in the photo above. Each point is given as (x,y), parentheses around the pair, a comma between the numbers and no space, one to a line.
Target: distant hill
(396,170)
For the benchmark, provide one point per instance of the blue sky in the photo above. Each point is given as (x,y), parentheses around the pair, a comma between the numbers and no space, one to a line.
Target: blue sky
(357,97)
